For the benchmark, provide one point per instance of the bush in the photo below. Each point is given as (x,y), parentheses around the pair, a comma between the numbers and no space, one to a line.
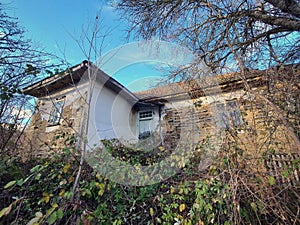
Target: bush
(41,192)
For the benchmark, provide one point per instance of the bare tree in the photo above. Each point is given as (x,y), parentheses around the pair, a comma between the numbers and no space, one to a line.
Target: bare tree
(91,42)
(20,64)
(263,33)
(239,36)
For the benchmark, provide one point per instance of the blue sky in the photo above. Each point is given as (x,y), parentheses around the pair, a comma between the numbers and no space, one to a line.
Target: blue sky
(55,25)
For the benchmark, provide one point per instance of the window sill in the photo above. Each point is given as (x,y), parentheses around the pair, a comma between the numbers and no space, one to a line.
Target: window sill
(53,125)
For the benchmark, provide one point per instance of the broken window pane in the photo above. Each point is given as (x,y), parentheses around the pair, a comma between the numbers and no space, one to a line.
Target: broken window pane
(56,112)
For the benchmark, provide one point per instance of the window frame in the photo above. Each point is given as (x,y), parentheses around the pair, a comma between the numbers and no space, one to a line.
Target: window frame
(145,134)
(229,115)
(58,110)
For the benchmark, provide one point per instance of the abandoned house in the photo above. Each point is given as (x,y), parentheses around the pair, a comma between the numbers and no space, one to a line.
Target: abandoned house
(66,107)
(85,104)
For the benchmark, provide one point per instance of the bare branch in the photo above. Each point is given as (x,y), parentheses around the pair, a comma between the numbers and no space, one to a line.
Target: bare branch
(290,7)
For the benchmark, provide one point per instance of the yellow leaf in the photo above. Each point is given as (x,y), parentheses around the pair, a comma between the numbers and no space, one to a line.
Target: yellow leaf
(101,192)
(172,190)
(98,176)
(151,211)
(5,211)
(66,168)
(63,182)
(46,197)
(55,205)
(62,192)
(200,222)
(71,179)
(181,207)
(39,214)
(161,148)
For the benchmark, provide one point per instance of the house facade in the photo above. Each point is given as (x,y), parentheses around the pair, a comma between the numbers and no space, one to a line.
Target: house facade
(84,105)
(239,109)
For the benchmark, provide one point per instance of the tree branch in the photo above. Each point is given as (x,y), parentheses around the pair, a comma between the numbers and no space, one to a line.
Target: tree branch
(285,22)
(290,6)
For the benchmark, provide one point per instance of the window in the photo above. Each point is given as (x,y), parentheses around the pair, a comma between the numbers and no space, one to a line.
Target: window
(145,122)
(229,114)
(146,115)
(56,112)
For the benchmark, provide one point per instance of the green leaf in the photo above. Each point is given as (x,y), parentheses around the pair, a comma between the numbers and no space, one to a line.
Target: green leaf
(36,168)
(9,184)
(67,151)
(271,180)
(52,218)
(38,176)
(151,211)
(60,213)
(20,182)
(285,173)
(253,206)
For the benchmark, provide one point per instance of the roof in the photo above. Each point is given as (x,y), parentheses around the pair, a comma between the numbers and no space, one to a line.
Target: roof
(158,95)
(215,84)
(71,77)
(49,84)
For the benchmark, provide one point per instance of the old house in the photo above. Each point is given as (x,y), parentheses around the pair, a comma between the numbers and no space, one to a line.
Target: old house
(254,116)
(69,108)
(240,110)
(247,113)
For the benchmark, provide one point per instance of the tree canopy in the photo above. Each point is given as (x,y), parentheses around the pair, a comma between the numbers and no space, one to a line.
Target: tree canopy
(261,33)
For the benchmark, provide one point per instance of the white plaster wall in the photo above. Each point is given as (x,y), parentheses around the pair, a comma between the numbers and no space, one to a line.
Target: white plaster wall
(110,117)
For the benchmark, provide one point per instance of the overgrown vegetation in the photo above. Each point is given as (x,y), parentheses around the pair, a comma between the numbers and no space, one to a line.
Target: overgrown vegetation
(234,189)
(40,192)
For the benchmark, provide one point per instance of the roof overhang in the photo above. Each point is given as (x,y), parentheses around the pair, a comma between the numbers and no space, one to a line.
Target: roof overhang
(84,71)
(223,83)
(69,77)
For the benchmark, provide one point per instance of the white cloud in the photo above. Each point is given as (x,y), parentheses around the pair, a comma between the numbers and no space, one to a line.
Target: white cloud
(159,52)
